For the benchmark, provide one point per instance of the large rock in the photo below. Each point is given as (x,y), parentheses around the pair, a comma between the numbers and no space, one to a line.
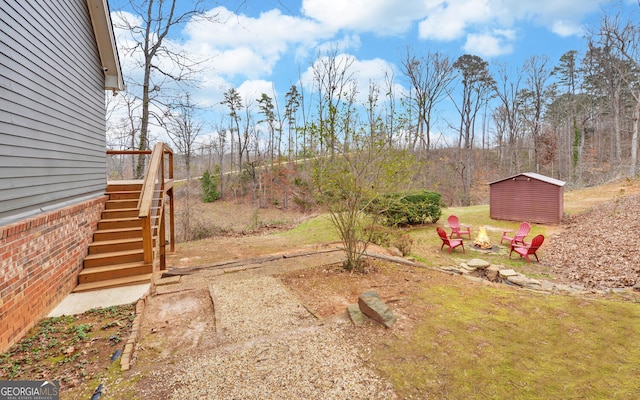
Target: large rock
(522,280)
(477,263)
(373,307)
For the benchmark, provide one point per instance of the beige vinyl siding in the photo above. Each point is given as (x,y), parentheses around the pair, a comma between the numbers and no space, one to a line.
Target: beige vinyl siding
(52,127)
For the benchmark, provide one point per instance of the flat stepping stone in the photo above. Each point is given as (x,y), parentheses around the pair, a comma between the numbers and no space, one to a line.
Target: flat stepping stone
(522,280)
(478,263)
(506,273)
(357,317)
(466,268)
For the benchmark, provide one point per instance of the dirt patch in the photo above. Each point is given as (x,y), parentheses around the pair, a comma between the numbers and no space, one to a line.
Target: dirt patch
(71,349)
(328,290)
(176,324)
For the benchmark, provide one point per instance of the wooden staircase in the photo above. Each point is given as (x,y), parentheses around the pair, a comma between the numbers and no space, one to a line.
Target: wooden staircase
(116,256)
(130,242)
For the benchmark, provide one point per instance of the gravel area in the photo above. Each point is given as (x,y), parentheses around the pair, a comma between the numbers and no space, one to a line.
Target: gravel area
(256,307)
(273,348)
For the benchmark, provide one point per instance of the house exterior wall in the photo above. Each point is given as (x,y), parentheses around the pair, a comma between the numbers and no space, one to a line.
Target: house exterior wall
(40,259)
(523,198)
(52,155)
(52,111)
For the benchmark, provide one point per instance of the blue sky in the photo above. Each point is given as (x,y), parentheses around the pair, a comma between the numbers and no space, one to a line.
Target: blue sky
(265,45)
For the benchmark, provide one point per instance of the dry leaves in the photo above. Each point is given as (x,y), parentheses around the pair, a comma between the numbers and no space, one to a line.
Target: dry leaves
(600,248)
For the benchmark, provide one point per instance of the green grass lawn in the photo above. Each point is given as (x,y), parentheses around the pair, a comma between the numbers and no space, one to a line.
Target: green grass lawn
(479,342)
(427,243)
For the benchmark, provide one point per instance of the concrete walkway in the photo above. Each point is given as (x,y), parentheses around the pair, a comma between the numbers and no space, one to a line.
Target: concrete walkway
(77,303)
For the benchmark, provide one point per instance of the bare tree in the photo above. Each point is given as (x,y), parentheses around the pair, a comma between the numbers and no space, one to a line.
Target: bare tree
(159,18)
(477,87)
(508,93)
(537,96)
(265,104)
(430,77)
(622,35)
(183,126)
(336,89)
(123,127)
(604,83)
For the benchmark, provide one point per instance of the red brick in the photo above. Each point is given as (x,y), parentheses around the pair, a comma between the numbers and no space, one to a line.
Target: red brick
(41,258)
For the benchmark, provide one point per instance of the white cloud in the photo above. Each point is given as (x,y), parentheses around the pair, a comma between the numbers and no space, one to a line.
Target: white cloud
(252,90)
(455,19)
(496,43)
(567,28)
(248,46)
(449,20)
(382,17)
(241,48)
(348,42)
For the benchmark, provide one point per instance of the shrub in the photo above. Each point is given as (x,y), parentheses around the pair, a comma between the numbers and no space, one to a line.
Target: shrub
(401,209)
(209,187)
(391,237)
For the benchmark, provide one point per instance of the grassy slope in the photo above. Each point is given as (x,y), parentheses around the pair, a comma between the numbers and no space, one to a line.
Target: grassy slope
(496,342)
(482,342)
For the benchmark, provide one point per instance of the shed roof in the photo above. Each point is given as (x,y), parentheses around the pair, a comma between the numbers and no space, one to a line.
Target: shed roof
(533,175)
(105,39)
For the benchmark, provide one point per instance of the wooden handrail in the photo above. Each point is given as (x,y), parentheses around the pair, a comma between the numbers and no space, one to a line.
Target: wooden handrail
(151,203)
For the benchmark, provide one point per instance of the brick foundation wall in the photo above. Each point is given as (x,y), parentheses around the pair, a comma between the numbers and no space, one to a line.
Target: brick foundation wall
(40,259)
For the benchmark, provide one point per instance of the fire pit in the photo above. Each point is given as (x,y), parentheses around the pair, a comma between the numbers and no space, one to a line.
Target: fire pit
(482,240)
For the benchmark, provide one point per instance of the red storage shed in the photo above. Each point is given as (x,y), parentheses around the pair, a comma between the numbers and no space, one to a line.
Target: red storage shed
(527,197)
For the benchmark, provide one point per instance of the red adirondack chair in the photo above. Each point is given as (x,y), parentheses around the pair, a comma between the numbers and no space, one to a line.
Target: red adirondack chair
(457,228)
(523,231)
(452,243)
(525,250)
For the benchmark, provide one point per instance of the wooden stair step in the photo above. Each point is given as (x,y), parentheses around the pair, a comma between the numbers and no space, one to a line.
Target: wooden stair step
(109,246)
(107,272)
(123,195)
(115,257)
(120,204)
(115,223)
(120,213)
(111,283)
(124,185)
(117,233)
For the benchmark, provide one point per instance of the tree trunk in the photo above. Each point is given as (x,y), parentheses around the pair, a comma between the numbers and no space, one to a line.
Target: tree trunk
(144,123)
(634,141)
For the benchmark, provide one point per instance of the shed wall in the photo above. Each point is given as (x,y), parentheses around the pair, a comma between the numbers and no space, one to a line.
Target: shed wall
(52,119)
(526,199)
